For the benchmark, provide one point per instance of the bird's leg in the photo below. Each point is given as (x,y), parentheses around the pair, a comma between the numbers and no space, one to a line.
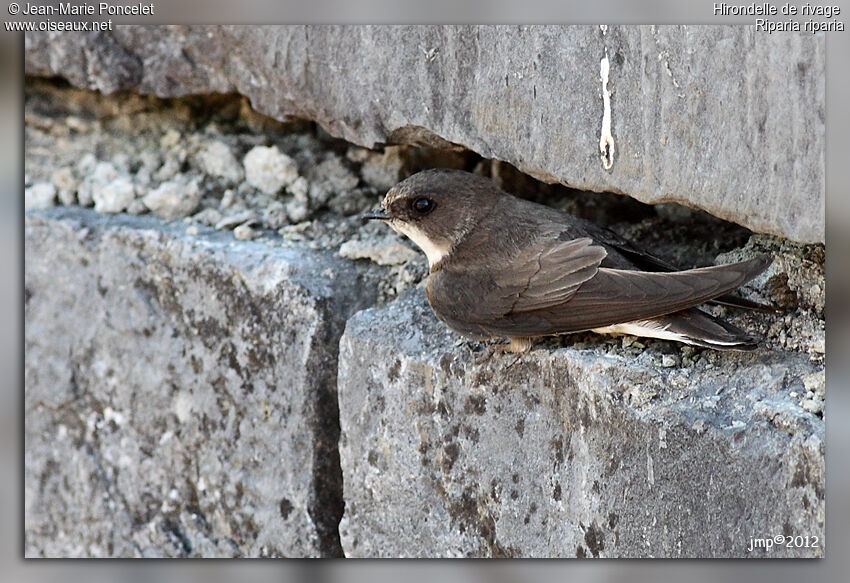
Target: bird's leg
(517,345)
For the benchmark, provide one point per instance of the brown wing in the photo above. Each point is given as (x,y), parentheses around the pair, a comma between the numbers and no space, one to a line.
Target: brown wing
(613,296)
(643,261)
(472,302)
(562,289)
(549,277)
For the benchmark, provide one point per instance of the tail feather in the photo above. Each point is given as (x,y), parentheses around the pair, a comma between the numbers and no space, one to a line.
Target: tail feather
(691,326)
(738,302)
(702,329)
(649,262)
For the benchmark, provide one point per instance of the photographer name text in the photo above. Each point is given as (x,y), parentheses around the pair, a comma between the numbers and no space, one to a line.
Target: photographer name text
(86,9)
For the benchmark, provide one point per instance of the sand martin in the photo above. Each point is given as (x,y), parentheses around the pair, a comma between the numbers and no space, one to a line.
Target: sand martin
(504,267)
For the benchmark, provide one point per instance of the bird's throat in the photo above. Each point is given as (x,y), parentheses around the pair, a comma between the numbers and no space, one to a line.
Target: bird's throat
(435,251)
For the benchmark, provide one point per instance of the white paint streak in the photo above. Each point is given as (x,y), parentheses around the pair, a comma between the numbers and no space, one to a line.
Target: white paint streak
(606,140)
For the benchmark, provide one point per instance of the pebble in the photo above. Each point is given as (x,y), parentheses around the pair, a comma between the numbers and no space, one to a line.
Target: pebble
(383,171)
(169,139)
(384,252)
(66,184)
(41,195)
(173,200)
(67,197)
(814,406)
(329,178)
(227,199)
(354,202)
(274,215)
(102,174)
(669,360)
(78,125)
(86,165)
(137,207)
(298,207)
(358,154)
(268,169)
(216,159)
(114,197)
(231,221)
(244,232)
(299,188)
(209,217)
(169,169)
(814,382)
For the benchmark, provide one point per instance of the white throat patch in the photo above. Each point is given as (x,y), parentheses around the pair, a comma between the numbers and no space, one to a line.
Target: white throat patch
(433,251)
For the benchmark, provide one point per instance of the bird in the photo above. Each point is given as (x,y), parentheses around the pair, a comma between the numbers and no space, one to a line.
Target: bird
(505,267)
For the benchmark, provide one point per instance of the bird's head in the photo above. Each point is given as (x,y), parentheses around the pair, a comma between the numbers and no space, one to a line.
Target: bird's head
(436,209)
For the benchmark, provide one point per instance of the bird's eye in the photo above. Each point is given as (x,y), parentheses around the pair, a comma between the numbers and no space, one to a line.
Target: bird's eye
(423,205)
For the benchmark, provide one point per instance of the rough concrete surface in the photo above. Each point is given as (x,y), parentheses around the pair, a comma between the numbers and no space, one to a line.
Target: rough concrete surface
(721,118)
(180,391)
(182,367)
(567,452)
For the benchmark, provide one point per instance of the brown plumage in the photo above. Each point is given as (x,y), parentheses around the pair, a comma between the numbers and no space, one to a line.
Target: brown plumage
(506,267)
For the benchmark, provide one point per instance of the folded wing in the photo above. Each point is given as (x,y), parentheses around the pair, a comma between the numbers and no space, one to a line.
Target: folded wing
(615,296)
(559,287)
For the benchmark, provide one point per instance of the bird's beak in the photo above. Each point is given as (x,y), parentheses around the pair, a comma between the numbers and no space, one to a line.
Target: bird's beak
(379,214)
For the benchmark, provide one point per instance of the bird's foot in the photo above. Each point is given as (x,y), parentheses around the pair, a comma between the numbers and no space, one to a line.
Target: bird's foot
(517,345)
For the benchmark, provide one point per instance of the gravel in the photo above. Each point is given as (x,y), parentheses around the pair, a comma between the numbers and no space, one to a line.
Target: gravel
(268,170)
(293,185)
(40,196)
(278,190)
(173,199)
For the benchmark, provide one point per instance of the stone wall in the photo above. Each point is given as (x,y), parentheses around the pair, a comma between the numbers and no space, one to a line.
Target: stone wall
(567,453)
(721,118)
(180,394)
(181,400)
(221,360)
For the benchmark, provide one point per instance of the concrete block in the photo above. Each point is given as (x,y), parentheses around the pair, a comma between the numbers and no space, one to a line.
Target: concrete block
(722,118)
(581,451)
(180,391)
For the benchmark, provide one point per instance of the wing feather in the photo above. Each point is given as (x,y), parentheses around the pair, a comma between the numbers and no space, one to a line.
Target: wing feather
(557,286)
(552,277)
(471,301)
(615,296)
